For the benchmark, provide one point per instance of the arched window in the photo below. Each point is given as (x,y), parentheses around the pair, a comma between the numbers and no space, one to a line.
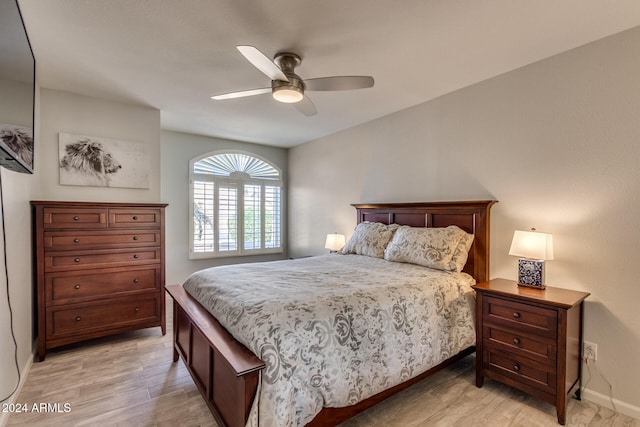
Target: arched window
(236,206)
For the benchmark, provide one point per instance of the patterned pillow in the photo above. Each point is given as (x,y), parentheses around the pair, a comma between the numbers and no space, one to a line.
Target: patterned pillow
(429,247)
(461,254)
(370,239)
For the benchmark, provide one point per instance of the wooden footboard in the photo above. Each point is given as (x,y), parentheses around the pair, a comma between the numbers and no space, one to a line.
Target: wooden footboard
(225,372)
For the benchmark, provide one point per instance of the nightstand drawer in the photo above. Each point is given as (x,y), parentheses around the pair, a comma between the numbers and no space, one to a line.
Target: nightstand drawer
(520,317)
(522,370)
(541,350)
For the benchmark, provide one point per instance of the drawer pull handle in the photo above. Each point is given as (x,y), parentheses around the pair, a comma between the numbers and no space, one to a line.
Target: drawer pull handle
(516,315)
(76,260)
(516,341)
(78,319)
(135,237)
(136,280)
(76,218)
(137,309)
(136,256)
(76,240)
(135,218)
(77,286)
(516,368)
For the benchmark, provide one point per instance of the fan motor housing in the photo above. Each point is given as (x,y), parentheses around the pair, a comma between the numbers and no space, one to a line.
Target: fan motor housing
(287,63)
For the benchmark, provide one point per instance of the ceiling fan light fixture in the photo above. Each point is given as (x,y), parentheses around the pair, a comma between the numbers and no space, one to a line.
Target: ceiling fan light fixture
(287,86)
(287,94)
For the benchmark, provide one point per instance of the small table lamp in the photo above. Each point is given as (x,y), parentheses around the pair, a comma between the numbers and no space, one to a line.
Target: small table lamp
(533,248)
(334,242)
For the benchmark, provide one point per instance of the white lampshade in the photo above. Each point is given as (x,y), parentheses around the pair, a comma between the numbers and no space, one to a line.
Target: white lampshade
(334,242)
(532,245)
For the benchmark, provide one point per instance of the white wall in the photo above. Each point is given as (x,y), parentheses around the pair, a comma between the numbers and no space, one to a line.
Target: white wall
(557,143)
(17,190)
(59,112)
(177,150)
(70,113)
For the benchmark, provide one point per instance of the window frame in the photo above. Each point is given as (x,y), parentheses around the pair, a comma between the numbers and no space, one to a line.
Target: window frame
(240,179)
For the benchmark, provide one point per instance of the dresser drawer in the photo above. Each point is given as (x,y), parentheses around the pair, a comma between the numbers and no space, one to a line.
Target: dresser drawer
(57,218)
(520,317)
(542,350)
(60,261)
(64,288)
(132,218)
(521,369)
(74,240)
(91,318)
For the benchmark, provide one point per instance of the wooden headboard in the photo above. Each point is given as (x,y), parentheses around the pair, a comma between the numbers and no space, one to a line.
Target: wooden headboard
(471,216)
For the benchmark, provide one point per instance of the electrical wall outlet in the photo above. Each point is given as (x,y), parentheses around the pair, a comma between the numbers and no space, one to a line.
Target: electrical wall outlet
(590,350)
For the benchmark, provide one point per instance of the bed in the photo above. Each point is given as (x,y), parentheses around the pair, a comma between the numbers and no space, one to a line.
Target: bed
(231,378)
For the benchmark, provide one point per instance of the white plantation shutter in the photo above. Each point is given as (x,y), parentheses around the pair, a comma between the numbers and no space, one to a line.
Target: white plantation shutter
(236,206)
(203,214)
(252,216)
(273,218)
(227,213)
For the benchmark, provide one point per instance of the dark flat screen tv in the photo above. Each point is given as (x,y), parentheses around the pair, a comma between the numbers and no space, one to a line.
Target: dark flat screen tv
(17,90)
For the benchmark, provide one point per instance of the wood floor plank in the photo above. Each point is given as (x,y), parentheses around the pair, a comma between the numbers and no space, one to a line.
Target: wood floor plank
(130,380)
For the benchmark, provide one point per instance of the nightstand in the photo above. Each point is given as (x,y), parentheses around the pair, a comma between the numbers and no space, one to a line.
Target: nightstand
(530,339)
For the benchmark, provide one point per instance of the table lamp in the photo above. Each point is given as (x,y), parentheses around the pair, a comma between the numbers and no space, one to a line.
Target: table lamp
(534,249)
(334,242)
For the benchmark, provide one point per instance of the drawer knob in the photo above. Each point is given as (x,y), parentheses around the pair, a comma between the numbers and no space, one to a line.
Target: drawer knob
(76,240)
(78,319)
(135,218)
(516,368)
(136,256)
(76,218)
(516,341)
(135,237)
(137,309)
(136,280)
(76,260)
(516,315)
(77,286)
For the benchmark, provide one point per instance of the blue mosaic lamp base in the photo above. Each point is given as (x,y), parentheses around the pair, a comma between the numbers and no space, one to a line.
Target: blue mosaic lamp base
(531,273)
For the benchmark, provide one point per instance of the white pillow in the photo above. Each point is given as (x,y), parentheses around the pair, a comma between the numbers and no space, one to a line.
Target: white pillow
(429,247)
(370,239)
(461,254)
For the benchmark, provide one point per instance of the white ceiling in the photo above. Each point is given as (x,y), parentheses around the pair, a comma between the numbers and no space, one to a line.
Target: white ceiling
(174,54)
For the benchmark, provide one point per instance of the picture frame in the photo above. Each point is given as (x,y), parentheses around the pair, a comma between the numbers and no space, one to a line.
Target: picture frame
(102,162)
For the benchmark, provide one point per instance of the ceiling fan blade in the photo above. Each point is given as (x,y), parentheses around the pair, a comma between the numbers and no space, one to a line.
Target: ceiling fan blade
(339,83)
(262,63)
(306,107)
(242,93)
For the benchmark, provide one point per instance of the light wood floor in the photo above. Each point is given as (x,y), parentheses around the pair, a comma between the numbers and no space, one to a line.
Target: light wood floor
(130,380)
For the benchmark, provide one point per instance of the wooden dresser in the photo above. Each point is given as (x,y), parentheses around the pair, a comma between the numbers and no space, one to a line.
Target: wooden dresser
(530,339)
(99,269)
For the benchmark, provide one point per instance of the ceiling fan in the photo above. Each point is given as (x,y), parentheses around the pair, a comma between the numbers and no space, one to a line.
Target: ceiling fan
(287,86)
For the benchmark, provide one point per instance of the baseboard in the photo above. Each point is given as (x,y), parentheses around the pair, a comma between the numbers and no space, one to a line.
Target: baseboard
(24,373)
(604,400)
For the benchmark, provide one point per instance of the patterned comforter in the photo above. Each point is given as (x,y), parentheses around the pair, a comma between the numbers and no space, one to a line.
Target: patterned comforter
(336,329)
